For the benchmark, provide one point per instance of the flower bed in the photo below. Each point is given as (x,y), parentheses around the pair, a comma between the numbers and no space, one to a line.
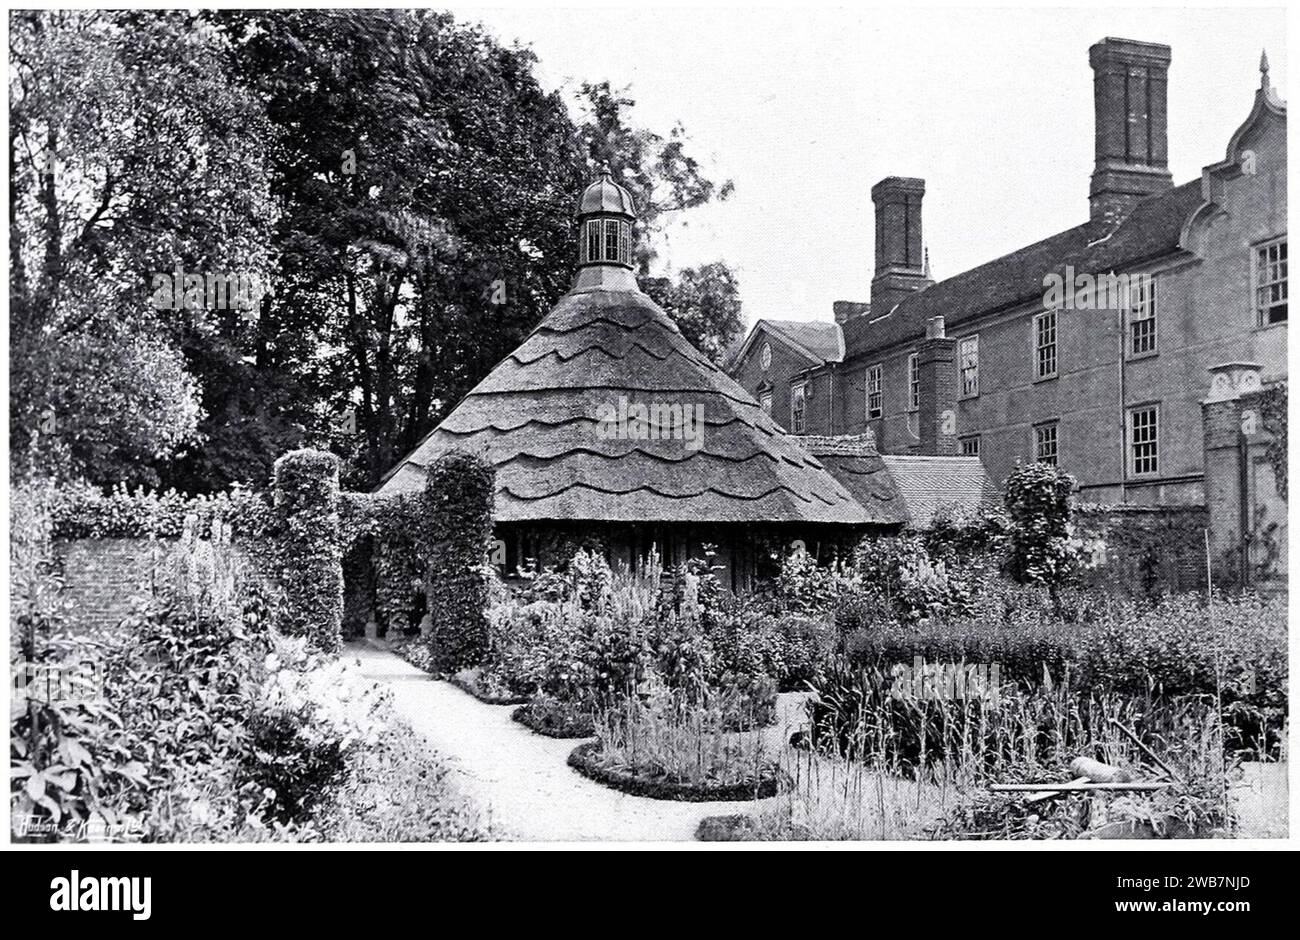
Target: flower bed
(555,719)
(587,760)
(472,681)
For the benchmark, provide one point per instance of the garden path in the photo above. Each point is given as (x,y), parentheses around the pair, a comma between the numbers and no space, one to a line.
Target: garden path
(521,779)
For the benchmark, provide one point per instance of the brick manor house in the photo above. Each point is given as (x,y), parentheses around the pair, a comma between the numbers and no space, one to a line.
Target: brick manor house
(986,364)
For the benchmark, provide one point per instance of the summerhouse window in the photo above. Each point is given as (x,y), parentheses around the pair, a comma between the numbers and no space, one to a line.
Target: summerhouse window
(607,241)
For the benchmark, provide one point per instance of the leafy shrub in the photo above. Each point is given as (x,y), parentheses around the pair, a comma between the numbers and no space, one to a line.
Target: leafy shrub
(460,489)
(556,719)
(1043,549)
(807,587)
(787,647)
(308,719)
(81,511)
(899,577)
(310,552)
(972,540)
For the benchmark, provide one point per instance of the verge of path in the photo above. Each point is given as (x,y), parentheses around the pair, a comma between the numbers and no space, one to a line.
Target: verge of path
(521,779)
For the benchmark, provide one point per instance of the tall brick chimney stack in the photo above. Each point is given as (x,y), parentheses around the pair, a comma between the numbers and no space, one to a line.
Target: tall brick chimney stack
(900,257)
(1130,89)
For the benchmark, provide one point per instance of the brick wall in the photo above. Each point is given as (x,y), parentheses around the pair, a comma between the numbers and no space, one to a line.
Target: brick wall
(103,576)
(1149,549)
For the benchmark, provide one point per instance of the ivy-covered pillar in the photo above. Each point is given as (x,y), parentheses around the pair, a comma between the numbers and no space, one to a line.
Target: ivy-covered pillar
(459,495)
(309,551)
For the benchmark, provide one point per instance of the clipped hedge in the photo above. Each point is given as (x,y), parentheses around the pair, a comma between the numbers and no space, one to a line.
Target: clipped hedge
(460,492)
(310,555)
(403,528)
(82,511)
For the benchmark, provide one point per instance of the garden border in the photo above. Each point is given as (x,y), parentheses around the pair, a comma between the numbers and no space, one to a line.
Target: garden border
(580,760)
(521,714)
(468,688)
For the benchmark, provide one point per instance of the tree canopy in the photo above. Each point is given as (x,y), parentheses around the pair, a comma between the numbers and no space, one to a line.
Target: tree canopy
(400,180)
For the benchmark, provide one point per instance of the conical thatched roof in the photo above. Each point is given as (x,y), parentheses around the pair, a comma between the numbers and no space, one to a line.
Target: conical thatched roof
(542,416)
(535,419)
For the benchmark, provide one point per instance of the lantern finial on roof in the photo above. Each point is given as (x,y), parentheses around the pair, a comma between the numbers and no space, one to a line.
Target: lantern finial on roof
(605,217)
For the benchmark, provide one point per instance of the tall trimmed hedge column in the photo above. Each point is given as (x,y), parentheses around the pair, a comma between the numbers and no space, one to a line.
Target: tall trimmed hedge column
(310,551)
(458,494)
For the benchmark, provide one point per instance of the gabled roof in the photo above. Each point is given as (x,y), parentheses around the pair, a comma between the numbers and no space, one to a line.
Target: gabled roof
(855,462)
(534,417)
(818,341)
(1153,229)
(929,483)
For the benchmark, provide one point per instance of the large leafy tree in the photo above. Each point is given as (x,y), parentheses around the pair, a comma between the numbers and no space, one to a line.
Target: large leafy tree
(131,154)
(660,173)
(665,180)
(704,302)
(427,184)
(403,178)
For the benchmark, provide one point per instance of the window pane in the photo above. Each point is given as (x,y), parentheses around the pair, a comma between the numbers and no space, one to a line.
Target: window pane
(875,392)
(1271,283)
(1144,439)
(1045,443)
(969,356)
(1045,344)
(1142,315)
(611,240)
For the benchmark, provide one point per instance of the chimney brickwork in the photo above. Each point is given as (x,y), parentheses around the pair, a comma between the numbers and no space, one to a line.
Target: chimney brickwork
(1130,94)
(900,251)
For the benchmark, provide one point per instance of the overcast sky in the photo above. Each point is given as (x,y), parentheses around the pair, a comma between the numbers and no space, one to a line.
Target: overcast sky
(806,110)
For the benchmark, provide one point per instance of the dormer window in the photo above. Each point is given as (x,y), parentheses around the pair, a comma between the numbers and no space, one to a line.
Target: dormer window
(607,241)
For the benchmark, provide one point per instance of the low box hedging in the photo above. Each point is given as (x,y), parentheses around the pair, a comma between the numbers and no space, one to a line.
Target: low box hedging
(585,759)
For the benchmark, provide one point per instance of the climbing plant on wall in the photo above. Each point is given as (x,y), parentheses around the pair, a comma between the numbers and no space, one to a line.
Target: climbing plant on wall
(1272,406)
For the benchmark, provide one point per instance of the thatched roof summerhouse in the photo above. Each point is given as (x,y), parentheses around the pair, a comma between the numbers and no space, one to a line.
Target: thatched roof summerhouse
(607,420)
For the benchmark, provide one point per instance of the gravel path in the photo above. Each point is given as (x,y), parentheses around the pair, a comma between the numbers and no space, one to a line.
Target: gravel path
(521,779)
